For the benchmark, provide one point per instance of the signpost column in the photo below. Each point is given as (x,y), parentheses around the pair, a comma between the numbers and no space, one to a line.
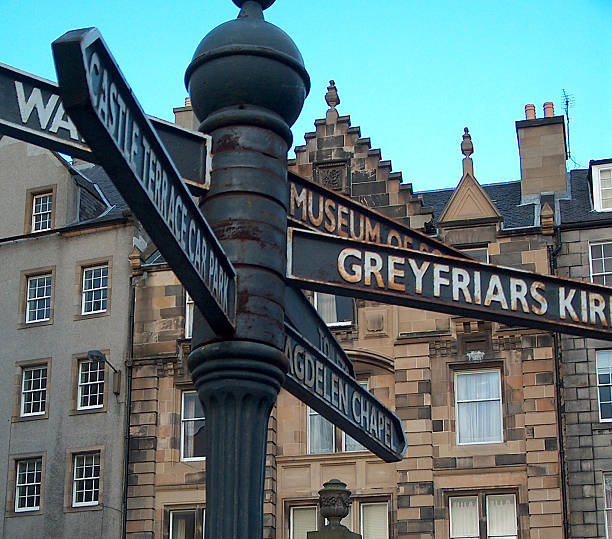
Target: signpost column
(247,85)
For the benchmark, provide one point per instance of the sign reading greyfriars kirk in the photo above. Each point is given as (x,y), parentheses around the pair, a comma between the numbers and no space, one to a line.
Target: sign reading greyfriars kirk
(102,106)
(448,285)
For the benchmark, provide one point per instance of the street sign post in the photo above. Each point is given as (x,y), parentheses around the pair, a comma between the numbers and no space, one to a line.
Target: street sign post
(439,283)
(103,108)
(338,397)
(31,110)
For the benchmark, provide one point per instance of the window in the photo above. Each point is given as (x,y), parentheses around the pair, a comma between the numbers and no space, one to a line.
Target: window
(374,521)
(27,484)
(188,316)
(91,384)
(602,187)
(192,427)
(95,290)
(321,434)
(478,253)
(33,391)
(604,384)
(499,510)
(302,520)
(38,303)
(42,211)
(478,407)
(601,263)
(86,480)
(334,310)
(608,495)
(186,523)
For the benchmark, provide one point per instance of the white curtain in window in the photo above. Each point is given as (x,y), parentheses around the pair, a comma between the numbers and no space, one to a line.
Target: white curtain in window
(182,524)
(321,434)
(326,307)
(479,407)
(374,521)
(303,520)
(464,517)
(193,431)
(501,516)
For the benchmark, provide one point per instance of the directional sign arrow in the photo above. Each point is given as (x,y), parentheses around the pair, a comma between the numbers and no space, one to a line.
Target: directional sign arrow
(338,397)
(300,313)
(31,110)
(105,111)
(449,285)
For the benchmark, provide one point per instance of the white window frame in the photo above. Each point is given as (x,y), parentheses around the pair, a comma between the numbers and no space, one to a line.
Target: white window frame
(188,315)
(76,481)
(184,420)
(195,520)
(30,392)
(591,270)
(85,292)
(46,297)
(345,323)
(596,171)
(37,485)
(366,504)
(501,407)
(310,412)
(292,510)
(482,505)
(598,354)
(81,385)
(47,214)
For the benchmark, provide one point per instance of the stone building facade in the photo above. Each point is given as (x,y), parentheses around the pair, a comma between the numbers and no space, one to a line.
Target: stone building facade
(65,274)
(504,427)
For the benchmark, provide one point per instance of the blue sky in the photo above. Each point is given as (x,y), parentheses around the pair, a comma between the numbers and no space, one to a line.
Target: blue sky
(411,74)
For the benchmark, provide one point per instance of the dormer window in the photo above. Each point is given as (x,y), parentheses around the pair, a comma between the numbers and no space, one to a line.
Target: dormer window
(602,187)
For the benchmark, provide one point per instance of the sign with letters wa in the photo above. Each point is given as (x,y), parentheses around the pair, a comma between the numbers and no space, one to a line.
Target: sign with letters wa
(101,104)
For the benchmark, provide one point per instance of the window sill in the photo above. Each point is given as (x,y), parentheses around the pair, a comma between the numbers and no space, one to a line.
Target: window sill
(79,508)
(86,411)
(19,418)
(603,425)
(25,325)
(91,315)
(24,513)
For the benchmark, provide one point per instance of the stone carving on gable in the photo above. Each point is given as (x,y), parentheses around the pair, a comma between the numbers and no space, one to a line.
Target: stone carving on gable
(332,175)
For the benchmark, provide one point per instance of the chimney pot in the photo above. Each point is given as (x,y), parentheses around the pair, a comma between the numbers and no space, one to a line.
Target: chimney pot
(549,110)
(530,111)
(188,102)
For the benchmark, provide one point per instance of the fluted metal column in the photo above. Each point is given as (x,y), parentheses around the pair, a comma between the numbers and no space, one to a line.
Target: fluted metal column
(247,85)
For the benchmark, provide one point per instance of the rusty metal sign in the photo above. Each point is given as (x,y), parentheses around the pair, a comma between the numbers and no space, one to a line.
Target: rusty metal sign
(318,208)
(448,285)
(337,396)
(300,313)
(104,109)
(31,110)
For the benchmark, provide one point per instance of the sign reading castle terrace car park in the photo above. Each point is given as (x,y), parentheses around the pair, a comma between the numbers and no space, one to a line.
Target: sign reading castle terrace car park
(31,110)
(443,284)
(338,397)
(102,106)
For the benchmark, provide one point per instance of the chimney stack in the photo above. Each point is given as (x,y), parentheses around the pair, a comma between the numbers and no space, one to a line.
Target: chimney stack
(184,116)
(542,151)
(549,110)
